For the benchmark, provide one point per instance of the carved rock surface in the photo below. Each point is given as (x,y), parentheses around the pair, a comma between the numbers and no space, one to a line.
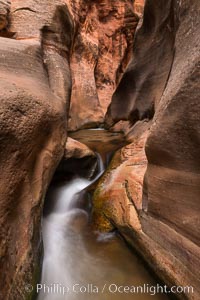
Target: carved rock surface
(4,12)
(118,196)
(143,82)
(102,41)
(168,78)
(139,7)
(35,89)
(75,149)
(101,51)
(172,180)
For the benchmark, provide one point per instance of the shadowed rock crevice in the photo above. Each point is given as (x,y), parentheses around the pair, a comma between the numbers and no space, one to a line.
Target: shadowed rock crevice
(5,19)
(143,83)
(25,8)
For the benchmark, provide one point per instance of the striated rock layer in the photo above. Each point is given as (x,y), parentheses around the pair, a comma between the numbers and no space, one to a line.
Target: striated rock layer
(4,12)
(154,46)
(163,75)
(101,51)
(119,192)
(35,89)
(139,7)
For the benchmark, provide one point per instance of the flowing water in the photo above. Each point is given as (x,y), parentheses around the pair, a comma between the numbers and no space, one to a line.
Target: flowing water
(79,264)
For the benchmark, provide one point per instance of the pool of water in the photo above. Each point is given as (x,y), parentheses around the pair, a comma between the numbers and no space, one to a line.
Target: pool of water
(79,264)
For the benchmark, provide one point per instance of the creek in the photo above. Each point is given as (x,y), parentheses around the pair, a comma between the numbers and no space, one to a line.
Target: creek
(80,264)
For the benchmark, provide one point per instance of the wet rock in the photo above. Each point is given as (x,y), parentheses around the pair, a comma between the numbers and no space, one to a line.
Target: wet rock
(77,221)
(118,196)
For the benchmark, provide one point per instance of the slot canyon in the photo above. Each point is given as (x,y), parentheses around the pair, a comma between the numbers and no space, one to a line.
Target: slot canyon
(99,135)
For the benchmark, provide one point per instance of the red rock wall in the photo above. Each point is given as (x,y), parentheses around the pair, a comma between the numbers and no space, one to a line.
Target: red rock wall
(143,81)
(139,7)
(4,11)
(101,48)
(35,86)
(42,39)
(165,73)
(101,51)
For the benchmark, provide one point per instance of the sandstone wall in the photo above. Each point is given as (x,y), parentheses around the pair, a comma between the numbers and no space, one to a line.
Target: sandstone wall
(101,51)
(143,82)
(164,74)
(43,43)
(139,7)
(35,86)
(4,12)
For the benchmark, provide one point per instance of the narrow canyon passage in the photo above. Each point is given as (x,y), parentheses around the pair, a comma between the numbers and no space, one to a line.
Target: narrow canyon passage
(85,264)
(109,81)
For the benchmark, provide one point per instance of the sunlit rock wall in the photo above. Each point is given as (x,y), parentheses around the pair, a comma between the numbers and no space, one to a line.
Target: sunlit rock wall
(101,51)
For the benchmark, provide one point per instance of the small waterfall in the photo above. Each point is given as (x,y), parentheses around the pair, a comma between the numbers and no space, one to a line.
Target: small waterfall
(60,226)
(75,258)
(101,167)
(62,234)
(68,195)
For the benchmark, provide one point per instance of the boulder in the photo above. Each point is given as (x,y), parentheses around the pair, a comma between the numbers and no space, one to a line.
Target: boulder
(75,149)
(78,159)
